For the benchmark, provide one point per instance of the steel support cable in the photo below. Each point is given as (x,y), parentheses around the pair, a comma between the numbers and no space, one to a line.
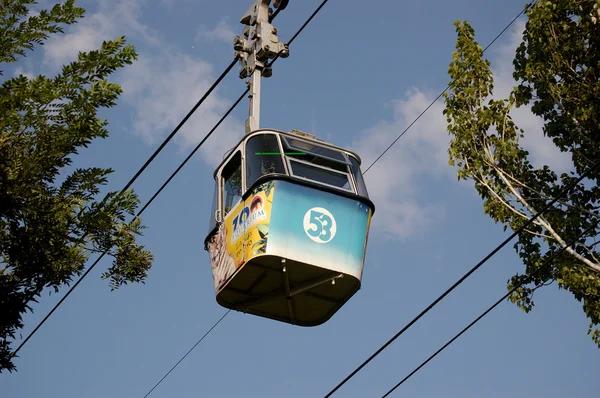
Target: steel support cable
(125,188)
(462,279)
(465,276)
(511,291)
(135,177)
(188,353)
(482,261)
(187,159)
(289,42)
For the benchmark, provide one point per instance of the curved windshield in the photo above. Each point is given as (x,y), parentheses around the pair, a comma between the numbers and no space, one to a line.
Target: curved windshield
(232,183)
(305,159)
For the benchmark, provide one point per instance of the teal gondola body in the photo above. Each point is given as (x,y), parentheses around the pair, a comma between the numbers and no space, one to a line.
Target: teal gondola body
(292,247)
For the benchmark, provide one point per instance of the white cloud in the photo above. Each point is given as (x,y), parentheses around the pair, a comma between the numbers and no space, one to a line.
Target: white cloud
(163,90)
(162,86)
(394,183)
(113,18)
(20,71)
(222,32)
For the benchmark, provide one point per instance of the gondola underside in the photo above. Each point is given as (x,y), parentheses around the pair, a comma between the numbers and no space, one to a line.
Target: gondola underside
(287,290)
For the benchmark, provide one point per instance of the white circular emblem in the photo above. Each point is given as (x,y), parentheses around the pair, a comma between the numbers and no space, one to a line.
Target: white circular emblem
(319,225)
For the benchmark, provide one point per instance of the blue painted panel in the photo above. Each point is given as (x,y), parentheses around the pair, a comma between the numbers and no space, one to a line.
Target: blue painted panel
(318,228)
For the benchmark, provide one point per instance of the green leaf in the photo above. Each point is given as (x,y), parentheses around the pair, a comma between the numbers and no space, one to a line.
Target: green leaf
(263,230)
(558,77)
(48,229)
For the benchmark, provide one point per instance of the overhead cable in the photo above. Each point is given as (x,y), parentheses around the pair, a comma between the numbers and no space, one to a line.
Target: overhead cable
(125,188)
(188,353)
(465,276)
(185,161)
(474,268)
(528,6)
(511,291)
(133,179)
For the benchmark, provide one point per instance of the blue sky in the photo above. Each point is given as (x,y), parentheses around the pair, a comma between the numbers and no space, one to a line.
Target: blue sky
(357,76)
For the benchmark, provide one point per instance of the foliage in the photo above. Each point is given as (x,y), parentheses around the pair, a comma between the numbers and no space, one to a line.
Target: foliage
(49,229)
(261,245)
(557,68)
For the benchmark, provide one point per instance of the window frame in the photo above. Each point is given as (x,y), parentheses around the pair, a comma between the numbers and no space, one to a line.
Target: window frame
(284,158)
(355,168)
(348,175)
(290,146)
(233,154)
(246,158)
(284,141)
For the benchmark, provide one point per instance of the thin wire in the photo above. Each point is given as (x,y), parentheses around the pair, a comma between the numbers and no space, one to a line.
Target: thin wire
(465,276)
(304,25)
(447,87)
(190,350)
(189,157)
(147,204)
(126,187)
(481,262)
(514,289)
(307,22)
(271,63)
(180,125)
(139,172)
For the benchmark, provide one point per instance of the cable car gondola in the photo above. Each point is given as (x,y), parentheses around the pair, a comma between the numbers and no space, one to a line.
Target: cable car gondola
(291,214)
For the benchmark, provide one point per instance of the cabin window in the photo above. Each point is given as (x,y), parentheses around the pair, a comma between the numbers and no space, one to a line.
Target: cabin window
(318,164)
(232,183)
(320,174)
(300,147)
(263,156)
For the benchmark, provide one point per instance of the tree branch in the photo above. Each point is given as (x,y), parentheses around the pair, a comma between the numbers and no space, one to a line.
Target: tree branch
(538,234)
(590,251)
(481,179)
(544,197)
(593,266)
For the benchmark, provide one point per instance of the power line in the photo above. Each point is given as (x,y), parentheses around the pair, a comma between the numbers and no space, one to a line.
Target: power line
(511,291)
(315,12)
(139,172)
(189,157)
(482,261)
(148,204)
(187,353)
(323,3)
(528,6)
(125,188)
(139,213)
(462,279)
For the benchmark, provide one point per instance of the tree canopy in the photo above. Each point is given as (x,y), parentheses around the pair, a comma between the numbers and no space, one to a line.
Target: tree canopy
(557,73)
(51,222)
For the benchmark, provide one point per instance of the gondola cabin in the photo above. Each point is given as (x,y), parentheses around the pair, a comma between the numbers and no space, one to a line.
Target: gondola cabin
(289,227)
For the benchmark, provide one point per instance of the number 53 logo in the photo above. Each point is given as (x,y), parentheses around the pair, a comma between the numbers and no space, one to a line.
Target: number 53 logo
(319,225)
